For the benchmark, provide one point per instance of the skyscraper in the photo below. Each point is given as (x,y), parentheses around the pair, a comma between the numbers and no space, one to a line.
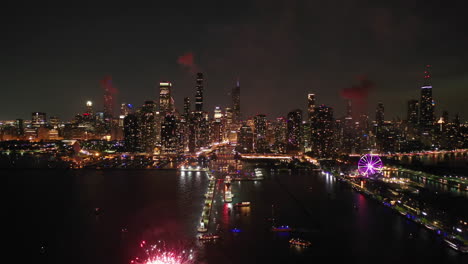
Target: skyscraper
(38,119)
(126,109)
(322,137)
(236,114)
(108,98)
(89,108)
(217,126)
(280,134)
(199,93)
(426,116)
(148,126)
(413,112)
(20,127)
(186,108)
(310,105)
(245,141)
(165,99)
(131,133)
(169,140)
(294,123)
(380,114)
(261,144)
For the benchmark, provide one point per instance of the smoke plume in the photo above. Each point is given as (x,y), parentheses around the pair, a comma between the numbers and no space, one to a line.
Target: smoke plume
(106,84)
(188,62)
(358,93)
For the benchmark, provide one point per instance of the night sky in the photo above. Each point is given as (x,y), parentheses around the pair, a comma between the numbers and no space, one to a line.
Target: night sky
(53,57)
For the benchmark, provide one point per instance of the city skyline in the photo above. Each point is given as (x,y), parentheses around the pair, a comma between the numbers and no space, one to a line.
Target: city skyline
(345,106)
(289,45)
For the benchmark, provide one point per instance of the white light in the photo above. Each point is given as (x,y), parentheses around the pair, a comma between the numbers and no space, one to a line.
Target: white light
(89,103)
(459,230)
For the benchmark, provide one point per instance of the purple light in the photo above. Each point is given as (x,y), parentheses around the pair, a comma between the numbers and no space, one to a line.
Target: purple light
(369,165)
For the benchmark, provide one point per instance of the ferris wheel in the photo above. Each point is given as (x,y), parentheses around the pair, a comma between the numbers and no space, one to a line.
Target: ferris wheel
(369,165)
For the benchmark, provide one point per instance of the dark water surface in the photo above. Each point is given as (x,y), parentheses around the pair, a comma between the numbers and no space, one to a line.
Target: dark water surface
(51,218)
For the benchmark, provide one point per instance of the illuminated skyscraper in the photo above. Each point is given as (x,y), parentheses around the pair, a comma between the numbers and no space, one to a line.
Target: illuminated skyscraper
(217,126)
(54,122)
(169,140)
(89,108)
(148,126)
(246,138)
(322,137)
(38,119)
(310,105)
(186,108)
(88,115)
(236,114)
(380,114)
(126,109)
(228,113)
(261,144)
(199,93)
(426,116)
(280,134)
(131,133)
(217,114)
(413,112)
(294,123)
(19,124)
(165,98)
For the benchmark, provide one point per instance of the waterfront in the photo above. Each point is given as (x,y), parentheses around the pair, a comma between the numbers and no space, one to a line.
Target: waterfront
(55,209)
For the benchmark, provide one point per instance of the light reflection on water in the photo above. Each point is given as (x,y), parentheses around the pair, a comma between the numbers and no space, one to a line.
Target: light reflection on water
(168,204)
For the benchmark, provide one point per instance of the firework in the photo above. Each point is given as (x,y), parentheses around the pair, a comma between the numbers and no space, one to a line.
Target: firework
(158,253)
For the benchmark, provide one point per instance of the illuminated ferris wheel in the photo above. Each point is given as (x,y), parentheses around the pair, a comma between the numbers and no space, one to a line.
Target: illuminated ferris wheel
(369,165)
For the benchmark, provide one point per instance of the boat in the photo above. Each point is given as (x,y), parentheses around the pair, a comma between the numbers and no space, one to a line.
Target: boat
(235,230)
(243,204)
(430,227)
(192,168)
(202,228)
(299,242)
(283,228)
(456,244)
(208,237)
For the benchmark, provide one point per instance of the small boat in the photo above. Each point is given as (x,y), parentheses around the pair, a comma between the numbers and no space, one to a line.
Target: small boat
(243,204)
(235,230)
(202,228)
(208,237)
(456,244)
(282,228)
(194,168)
(299,242)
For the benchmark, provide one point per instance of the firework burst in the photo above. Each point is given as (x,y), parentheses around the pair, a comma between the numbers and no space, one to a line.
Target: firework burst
(158,253)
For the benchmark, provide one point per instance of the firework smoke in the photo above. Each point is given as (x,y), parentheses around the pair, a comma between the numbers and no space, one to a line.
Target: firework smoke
(187,61)
(358,93)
